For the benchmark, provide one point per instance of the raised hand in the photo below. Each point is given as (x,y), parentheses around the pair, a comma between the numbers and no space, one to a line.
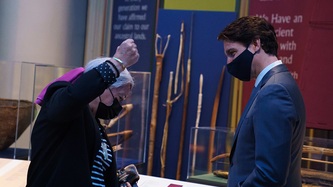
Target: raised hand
(127,52)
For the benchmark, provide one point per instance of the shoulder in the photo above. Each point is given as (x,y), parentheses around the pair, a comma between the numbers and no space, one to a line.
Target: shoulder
(54,87)
(276,91)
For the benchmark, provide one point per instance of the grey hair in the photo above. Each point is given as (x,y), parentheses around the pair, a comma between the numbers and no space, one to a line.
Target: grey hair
(124,78)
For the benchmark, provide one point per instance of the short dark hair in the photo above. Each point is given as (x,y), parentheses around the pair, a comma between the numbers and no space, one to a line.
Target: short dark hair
(247,29)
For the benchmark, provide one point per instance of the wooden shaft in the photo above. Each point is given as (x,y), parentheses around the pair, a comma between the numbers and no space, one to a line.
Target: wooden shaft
(126,109)
(185,106)
(317,175)
(166,126)
(316,160)
(224,155)
(121,138)
(180,54)
(317,150)
(197,124)
(126,133)
(197,121)
(213,120)
(182,132)
(152,133)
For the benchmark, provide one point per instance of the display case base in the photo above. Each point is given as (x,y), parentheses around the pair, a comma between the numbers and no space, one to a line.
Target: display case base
(208,179)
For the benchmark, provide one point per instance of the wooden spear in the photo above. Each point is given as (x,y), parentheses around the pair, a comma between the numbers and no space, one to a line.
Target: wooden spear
(186,92)
(166,125)
(169,103)
(180,55)
(213,120)
(158,75)
(168,112)
(197,121)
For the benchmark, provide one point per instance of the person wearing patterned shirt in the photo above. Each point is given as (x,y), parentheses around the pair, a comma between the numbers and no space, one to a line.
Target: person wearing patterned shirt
(69,145)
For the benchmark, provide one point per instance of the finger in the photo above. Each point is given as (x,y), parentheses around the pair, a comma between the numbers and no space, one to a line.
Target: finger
(134,50)
(128,41)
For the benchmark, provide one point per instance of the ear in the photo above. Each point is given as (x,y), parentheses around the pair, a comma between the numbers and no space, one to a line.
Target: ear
(255,45)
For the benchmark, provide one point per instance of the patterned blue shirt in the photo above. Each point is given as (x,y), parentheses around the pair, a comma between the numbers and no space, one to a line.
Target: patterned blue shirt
(102,161)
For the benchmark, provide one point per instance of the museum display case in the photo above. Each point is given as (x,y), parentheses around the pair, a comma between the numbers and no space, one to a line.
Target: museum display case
(128,132)
(20,83)
(209,150)
(317,162)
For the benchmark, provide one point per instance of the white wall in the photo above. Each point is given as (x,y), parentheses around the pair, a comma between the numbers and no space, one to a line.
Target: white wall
(48,32)
(43,31)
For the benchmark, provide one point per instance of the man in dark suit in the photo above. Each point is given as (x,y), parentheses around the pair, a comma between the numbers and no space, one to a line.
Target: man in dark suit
(267,146)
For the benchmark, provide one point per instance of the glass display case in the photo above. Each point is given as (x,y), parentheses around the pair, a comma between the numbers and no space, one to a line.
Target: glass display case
(317,162)
(209,155)
(128,132)
(20,82)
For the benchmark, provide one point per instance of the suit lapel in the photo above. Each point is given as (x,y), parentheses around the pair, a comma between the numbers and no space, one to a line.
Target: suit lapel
(249,103)
(255,91)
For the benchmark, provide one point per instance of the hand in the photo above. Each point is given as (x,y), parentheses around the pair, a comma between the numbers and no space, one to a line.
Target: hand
(127,52)
(128,176)
(127,184)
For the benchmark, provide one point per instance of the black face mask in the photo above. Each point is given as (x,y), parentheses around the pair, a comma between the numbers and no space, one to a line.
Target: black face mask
(108,112)
(240,67)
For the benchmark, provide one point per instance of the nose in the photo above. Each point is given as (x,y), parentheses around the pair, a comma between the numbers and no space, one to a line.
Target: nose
(229,60)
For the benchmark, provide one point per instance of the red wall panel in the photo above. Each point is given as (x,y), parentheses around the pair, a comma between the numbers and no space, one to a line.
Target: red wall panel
(305,35)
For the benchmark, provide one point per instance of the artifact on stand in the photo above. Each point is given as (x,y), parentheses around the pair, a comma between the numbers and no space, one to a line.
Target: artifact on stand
(317,156)
(126,109)
(169,102)
(214,117)
(117,138)
(220,173)
(186,98)
(158,76)
(15,117)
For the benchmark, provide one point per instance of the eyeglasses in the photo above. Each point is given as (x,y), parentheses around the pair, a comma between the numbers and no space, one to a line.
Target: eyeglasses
(122,98)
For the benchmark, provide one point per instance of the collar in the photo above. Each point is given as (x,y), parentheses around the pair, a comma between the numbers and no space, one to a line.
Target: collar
(265,70)
(70,76)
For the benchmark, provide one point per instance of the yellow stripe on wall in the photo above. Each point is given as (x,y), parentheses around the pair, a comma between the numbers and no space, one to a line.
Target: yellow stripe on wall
(237,91)
(207,5)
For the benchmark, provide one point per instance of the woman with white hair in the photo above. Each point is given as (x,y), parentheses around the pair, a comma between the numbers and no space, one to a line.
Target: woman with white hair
(69,145)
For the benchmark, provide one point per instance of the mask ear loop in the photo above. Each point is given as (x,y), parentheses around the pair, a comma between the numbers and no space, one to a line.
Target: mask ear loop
(111,93)
(256,52)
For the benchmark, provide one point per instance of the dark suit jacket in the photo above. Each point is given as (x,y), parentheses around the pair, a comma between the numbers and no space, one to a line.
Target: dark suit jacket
(268,142)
